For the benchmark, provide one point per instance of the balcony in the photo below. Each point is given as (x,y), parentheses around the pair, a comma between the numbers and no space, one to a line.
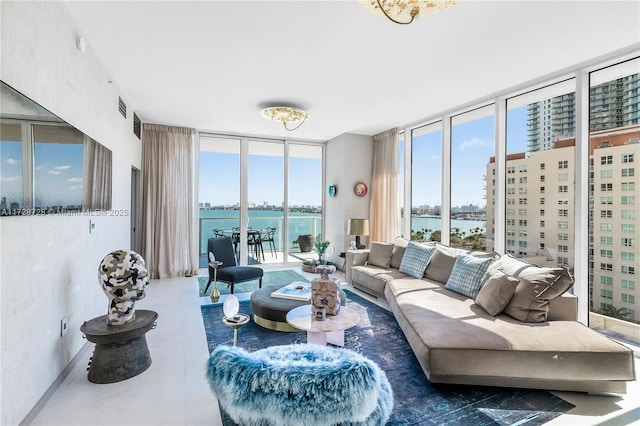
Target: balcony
(298,225)
(614,328)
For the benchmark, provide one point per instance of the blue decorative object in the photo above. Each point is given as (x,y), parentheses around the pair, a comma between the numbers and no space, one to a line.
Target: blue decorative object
(467,274)
(415,259)
(299,385)
(333,190)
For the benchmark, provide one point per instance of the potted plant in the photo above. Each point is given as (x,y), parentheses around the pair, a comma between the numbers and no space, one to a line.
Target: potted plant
(321,247)
(305,242)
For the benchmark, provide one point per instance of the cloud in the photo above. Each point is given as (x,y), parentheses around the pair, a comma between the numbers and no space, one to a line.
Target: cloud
(75,180)
(9,179)
(57,169)
(470,143)
(73,188)
(12,161)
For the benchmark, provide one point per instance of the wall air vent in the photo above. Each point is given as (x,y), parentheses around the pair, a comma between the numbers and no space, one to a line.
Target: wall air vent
(137,125)
(122,107)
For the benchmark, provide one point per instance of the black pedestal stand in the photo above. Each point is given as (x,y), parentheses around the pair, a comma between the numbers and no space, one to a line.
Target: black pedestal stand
(121,351)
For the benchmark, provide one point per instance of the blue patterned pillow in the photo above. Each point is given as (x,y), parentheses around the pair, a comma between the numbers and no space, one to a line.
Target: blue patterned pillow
(415,259)
(467,274)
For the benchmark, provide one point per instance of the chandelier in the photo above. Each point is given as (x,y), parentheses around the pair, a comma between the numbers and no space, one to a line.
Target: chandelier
(403,12)
(285,114)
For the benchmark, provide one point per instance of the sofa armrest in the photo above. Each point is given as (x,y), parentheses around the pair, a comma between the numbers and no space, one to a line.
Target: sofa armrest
(354,258)
(563,308)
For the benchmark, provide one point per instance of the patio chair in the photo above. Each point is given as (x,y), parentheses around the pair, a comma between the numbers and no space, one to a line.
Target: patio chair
(268,237)
(229,272)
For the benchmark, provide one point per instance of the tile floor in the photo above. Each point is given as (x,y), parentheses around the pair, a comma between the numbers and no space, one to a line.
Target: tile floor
(173,390)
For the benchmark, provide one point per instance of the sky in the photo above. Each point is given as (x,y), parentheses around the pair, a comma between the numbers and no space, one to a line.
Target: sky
(58,170)
(58,173)
(472,144)
(220,180)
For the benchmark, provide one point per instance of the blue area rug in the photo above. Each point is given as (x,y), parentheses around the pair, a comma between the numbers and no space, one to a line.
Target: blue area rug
(270,278)
(417,402)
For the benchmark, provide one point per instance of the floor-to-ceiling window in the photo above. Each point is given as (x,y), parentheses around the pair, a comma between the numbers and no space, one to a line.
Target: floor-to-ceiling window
(219,188)
(472,147)
(540,169)
(304,194)
(243,195)
(401,181)
(426,182)
(265,193)
(11,159)
(614,193)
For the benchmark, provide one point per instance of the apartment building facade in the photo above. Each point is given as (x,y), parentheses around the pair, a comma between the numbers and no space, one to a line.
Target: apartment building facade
(540,214)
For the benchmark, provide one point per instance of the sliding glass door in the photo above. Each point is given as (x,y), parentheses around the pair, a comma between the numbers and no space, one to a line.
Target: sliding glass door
(245,194)
(305,195)
(219,189)
(265,199)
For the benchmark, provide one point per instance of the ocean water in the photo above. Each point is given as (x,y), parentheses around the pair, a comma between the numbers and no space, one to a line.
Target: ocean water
(299,223)
(304,223)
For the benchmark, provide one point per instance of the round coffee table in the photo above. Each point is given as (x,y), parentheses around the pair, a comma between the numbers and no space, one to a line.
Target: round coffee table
(330,330)
(271,312)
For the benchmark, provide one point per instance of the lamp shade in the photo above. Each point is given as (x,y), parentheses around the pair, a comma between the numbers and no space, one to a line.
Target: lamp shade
(358,226)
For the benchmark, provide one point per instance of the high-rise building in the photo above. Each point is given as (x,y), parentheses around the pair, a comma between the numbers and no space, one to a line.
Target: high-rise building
(540,213)
(612,104)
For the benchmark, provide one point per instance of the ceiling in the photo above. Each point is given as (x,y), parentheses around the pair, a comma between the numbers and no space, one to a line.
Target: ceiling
(212,65)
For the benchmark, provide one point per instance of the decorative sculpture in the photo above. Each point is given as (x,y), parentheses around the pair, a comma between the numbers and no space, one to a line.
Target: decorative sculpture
(123,277)
(325,291)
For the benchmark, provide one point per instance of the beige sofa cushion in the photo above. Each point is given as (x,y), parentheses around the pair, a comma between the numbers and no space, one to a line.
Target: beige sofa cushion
(373,278)
(525,306)
(538,285)
(496,293)
(399,245)
(380,254)
(441,263)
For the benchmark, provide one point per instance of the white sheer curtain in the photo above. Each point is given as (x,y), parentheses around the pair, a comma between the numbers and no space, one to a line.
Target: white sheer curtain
(169,214)
(97,176)
(385,202)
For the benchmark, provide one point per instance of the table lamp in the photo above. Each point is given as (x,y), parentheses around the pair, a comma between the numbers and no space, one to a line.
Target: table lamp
(359,227)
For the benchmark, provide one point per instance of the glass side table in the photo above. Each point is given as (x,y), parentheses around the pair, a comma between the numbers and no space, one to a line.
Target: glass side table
(236,322)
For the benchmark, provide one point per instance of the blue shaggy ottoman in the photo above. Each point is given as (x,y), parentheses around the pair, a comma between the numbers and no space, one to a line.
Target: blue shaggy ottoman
(299,385)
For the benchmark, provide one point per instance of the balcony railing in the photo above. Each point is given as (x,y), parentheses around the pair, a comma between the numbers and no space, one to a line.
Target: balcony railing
(298,225)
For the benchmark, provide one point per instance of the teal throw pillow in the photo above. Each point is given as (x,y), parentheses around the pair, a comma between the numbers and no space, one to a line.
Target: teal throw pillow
(415,259)
(467,274)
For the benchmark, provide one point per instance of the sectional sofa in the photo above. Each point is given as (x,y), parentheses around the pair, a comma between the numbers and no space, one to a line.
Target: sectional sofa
(483,319)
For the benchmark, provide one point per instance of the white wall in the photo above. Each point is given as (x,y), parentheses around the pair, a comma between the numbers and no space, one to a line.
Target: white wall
(48,265)
(348,161)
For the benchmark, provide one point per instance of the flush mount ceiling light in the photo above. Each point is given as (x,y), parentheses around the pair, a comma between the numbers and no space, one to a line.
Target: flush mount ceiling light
(285,114)
(403,12)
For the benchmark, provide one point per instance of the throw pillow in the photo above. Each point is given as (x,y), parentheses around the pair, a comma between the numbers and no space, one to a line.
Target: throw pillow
(538,285)
(552,281)
(496,293)
(380,254)
(415,259)
(525,305)
(399,246)
(439,269)
(467,275)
